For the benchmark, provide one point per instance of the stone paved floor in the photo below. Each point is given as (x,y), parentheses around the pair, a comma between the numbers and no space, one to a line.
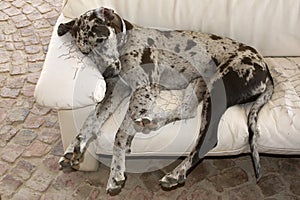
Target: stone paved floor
(30,143)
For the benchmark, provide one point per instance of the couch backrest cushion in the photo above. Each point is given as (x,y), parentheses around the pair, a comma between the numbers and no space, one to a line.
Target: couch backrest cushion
(271,26)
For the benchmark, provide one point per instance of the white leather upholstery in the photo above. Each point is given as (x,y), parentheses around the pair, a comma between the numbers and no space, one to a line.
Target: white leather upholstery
(265,24)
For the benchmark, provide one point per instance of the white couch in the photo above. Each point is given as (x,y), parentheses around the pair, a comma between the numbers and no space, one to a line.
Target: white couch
(68,79)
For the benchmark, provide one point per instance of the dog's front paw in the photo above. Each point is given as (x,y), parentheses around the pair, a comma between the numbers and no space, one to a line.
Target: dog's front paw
(72,157)
(115,183)
(65,165)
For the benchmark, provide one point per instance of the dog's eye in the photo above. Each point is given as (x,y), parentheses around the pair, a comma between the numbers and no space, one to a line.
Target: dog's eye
(99,40)
(98,21)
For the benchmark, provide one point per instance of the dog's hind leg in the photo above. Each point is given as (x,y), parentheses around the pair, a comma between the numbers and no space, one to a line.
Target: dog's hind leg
(178,175)
(253,126)
(214,105)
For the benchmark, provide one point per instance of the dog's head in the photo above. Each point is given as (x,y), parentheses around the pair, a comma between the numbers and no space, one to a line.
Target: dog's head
(97,31)
(90,29)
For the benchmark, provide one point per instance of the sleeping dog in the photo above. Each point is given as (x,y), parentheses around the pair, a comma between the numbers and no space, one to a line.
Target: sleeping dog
(143,63)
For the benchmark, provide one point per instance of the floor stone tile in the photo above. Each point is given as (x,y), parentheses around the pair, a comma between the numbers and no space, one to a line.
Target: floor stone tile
(40,180)
(7,132)
(18,18)
(229,178)
(12,11)
(18,3)
(55,195)
(35,67)
(25,137)
(44,8)
(246,191)
(24,169)
(203,194)
(33,121)
(9,92)
(3,16)
(68,180)
(26,193)
(51,162)
(4,57)
(4,67)
(49,135)
(51,121)
(294,184)
(37,149)
(82,192)
(33,49)
(8,186)
(2,115)
(271,185)
(11,152)
(27,9)
(16,82)
(18,114)
(4,5)
(37,109)
(7,103)
(3,168)
(18,69)
(57,150)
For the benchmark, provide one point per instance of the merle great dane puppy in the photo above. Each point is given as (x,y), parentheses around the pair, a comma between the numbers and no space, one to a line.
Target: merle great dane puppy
(142,62)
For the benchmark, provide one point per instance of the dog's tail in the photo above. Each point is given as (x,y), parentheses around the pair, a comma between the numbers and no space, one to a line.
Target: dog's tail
(253,127)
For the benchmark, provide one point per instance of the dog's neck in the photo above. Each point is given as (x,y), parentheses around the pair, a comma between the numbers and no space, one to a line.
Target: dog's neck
(121,27)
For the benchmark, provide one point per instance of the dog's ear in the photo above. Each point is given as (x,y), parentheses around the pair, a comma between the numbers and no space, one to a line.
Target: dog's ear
(108,14)
(63,28)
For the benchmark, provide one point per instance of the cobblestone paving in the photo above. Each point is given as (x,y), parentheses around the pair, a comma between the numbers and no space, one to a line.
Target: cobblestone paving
(30,143)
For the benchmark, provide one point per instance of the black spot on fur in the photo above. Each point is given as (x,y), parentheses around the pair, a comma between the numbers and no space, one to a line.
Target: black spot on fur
(143,111)
(134,53)
(150,41)
(101,30)
(190,44)
(193,53)
(147,63)
(217,63)
(78,22)
(92,16)
(99,40)
(167,34)
(182,70)
(237,88)
(215,37)
(90,34)
(247,61)
(177,49)
(146,57)
(243,47)
(75,31)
